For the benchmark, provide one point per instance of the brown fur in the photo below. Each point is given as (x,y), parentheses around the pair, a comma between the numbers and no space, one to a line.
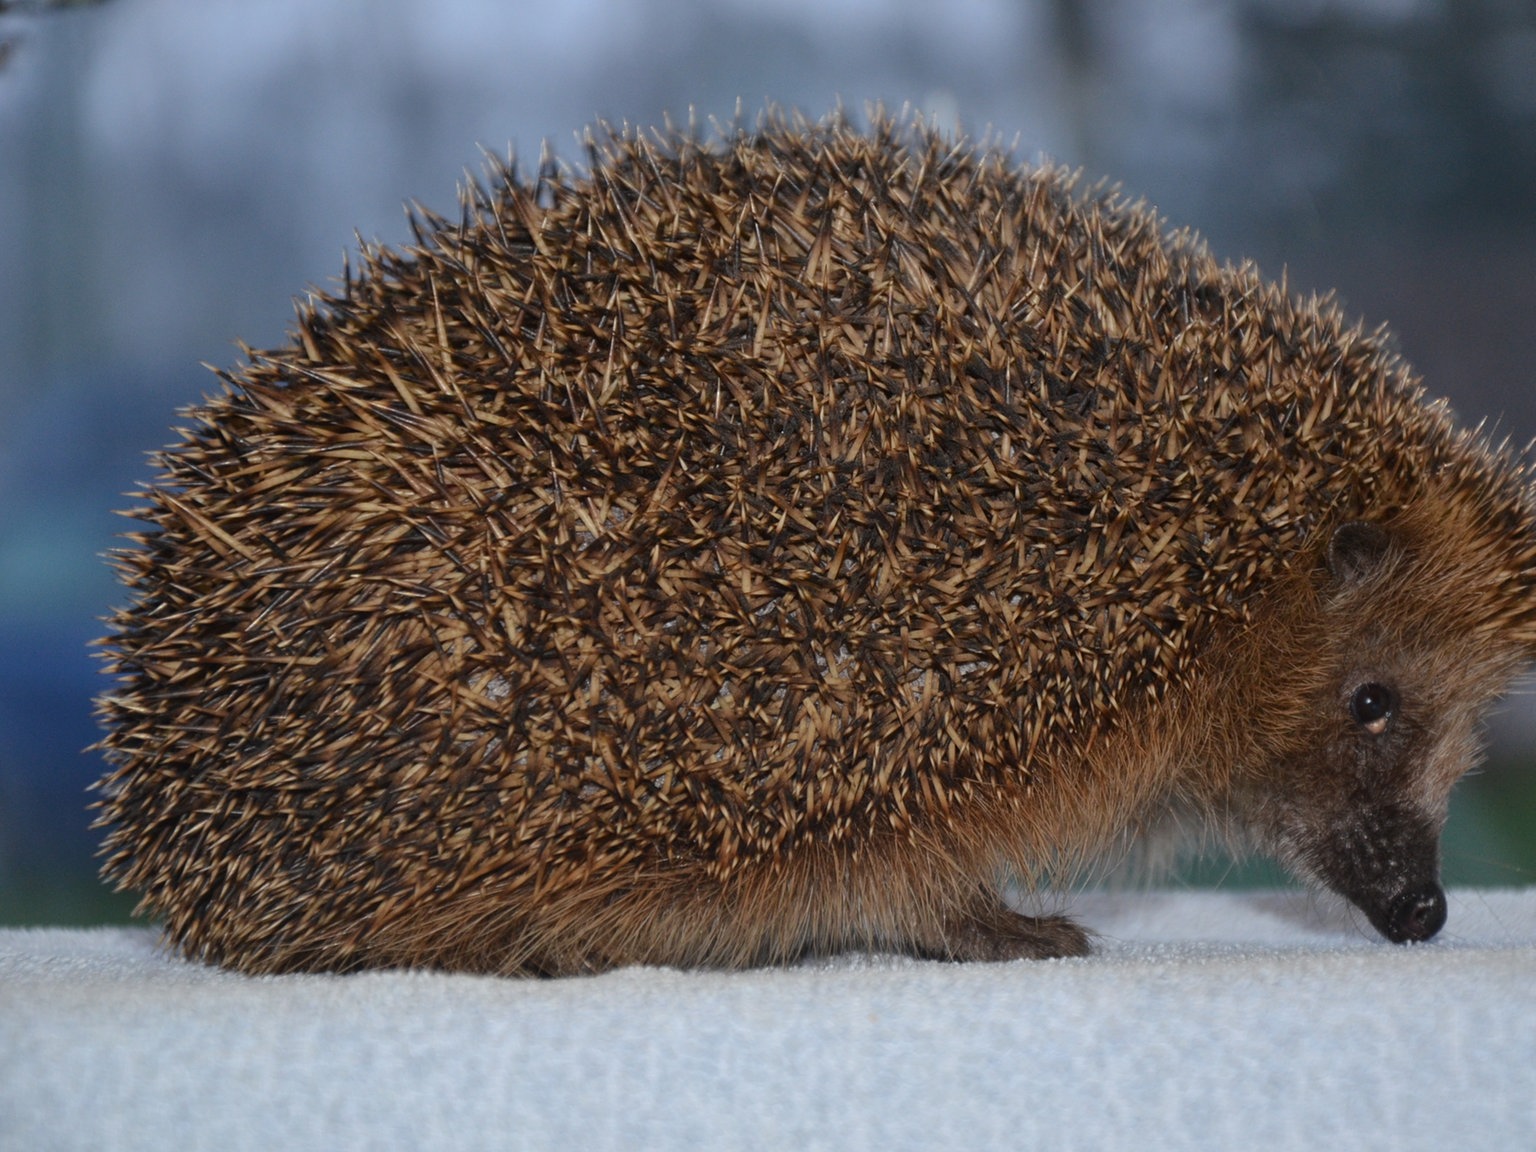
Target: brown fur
(742,553)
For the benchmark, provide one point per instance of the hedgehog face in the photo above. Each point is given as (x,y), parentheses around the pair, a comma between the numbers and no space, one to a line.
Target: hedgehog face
(1359,794)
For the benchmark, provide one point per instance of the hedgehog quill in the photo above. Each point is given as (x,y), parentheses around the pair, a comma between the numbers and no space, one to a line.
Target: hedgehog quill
(765,548)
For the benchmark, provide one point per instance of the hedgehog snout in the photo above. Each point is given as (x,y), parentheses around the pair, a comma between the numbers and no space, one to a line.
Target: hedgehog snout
(1410,915)
(1386,861)
(1415,915)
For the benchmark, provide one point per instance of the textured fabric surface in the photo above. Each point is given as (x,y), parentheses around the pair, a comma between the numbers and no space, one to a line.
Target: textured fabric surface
(1207,1020)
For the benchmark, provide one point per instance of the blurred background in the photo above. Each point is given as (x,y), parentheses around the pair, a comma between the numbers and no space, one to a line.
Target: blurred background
(173,172)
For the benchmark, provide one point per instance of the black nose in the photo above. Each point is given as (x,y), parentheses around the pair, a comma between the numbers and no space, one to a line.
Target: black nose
(1416,914)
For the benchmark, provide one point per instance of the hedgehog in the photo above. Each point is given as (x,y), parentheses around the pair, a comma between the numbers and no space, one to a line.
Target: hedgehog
(782,543)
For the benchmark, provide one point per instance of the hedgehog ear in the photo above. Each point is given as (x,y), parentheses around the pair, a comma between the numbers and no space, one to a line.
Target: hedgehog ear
(1356,550)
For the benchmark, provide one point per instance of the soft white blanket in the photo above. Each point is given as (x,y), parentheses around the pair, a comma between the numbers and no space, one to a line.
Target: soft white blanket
(1208,1020)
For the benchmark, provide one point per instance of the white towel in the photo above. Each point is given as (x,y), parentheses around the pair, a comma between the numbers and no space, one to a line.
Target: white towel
(1206,1020)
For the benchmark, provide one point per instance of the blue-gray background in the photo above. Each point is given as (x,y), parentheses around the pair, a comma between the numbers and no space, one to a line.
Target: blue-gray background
(173,172)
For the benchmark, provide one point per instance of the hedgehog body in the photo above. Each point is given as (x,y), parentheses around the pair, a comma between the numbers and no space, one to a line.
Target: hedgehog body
(751,550)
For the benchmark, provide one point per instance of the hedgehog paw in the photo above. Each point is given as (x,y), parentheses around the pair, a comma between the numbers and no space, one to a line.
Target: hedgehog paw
(989,930)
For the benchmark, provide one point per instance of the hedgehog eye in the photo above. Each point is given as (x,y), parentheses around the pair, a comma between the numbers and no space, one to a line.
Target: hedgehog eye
(1372,706)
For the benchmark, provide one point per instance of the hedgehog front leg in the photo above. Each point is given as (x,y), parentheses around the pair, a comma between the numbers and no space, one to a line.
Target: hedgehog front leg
(988,930)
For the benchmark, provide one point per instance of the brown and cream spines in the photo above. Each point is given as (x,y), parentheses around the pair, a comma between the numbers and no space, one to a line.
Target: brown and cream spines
(761,548)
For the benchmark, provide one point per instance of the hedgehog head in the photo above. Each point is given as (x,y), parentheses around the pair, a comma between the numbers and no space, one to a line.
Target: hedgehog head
(1388,651)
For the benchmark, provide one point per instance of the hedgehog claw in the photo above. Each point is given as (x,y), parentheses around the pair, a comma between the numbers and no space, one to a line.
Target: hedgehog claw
(990,931)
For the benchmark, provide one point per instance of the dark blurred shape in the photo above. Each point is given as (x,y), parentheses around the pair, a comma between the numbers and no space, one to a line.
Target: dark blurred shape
(7,44)
(1426,120)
